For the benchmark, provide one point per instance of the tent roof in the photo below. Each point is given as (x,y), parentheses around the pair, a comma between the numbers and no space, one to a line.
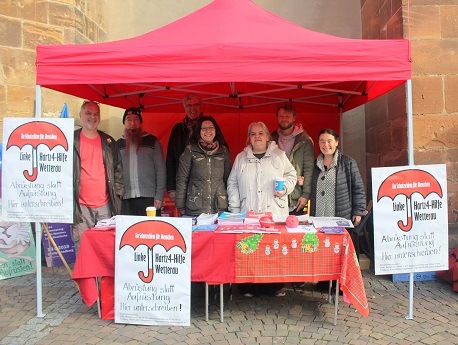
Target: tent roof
(236,56)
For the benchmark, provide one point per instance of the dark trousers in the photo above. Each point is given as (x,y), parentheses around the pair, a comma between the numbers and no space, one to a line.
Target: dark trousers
(137,206)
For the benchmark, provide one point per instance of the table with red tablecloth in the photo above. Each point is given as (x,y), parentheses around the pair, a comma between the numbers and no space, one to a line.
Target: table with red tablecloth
(218,258)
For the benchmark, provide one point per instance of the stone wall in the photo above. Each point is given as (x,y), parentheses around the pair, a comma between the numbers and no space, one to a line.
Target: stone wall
(432,27)
(26,24)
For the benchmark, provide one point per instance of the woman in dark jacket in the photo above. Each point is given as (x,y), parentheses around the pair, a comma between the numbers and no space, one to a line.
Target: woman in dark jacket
(203,171)
(337,187)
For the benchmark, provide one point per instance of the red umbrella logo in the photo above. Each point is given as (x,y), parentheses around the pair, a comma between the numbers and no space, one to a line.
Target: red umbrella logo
(150,233)
(407,182)
(34,134)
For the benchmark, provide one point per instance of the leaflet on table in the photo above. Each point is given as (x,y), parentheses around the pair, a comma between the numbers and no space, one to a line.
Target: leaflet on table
(301,229)
(238,229)
(320,222)
(332,230)
(205,227)
(303,219)
(106,222)
(207,219)
(231,218)
(254,217)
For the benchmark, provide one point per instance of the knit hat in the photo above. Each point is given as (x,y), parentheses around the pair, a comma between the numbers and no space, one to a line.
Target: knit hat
(132,111)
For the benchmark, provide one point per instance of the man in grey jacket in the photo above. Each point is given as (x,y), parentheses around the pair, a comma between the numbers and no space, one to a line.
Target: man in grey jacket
(143,166)
(294,140)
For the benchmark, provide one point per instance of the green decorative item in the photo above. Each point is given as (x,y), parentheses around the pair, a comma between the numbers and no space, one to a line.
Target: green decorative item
(249,244)
(309,243)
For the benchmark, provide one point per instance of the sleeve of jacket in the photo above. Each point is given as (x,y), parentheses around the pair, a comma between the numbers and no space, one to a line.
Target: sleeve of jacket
(117,169)
(159,166)
(307,168)
(358,191)
(233,192)
(170,162)
(183,174)
(227,167)
(289,173)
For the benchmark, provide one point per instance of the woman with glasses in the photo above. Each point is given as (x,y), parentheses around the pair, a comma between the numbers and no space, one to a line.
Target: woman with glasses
(203,171)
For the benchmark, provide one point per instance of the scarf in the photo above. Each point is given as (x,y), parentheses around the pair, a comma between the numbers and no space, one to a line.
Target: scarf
(191,123)
(209,148)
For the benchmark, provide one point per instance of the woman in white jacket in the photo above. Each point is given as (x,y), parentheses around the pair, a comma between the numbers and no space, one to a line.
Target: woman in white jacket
(251,184)
(251,187)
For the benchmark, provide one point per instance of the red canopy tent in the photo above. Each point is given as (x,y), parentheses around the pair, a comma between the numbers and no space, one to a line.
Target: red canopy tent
(240,58)
(235,54)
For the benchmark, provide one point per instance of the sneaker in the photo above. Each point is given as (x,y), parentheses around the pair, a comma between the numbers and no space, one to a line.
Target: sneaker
(248,294)
(280,293)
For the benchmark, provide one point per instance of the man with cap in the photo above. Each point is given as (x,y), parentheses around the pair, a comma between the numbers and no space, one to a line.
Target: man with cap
(294,140)
(179,139)
(143,166)
(98,183)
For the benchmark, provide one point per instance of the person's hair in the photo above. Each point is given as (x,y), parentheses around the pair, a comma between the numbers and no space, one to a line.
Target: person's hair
(191,96)
(195,136)
(87,102)
(328,131)
(264,128)
(287,107)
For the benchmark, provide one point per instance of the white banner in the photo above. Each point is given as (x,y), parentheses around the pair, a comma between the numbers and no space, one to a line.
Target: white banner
(410,219)
(37,174)
(153,270)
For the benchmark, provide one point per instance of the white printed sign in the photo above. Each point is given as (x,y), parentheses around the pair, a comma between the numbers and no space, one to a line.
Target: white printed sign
(410,219)
(37,174)
(153,270)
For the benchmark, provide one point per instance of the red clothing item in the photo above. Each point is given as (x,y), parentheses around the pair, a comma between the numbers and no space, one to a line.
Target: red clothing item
(93,186)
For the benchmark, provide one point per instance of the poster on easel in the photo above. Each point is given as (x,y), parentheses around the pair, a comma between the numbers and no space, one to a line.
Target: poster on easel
(17,249)
(153,270)
(410,219)
(61,234)
(37,174)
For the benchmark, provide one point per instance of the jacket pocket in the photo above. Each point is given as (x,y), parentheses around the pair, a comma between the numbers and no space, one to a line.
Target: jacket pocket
(221,199)
(194,200)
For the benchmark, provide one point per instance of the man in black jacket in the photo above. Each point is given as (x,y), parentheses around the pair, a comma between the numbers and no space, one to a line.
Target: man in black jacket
(179,139)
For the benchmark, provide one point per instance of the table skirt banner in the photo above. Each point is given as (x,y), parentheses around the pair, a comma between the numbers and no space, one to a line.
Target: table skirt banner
(299,257)
(107,298)
(213,257)
(95,259)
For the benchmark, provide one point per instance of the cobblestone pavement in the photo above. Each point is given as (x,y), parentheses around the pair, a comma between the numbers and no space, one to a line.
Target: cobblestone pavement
(303,316)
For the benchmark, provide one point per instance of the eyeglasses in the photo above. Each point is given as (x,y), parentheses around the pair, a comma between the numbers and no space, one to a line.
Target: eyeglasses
(193,105)
(86,102)
(211,128)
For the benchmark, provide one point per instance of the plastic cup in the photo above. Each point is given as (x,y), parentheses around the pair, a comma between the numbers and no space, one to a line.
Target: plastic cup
(279,183)
(151,211)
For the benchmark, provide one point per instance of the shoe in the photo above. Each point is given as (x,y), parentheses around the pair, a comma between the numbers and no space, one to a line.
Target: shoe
(248,294)
(280,293)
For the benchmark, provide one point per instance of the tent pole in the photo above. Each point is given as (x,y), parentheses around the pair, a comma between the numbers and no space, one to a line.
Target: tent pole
(38,230)
(411,163)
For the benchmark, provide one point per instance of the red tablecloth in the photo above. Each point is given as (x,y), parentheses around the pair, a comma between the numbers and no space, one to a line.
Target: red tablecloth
(237,258)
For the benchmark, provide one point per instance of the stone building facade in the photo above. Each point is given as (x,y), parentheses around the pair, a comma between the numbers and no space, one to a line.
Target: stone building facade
(432,26)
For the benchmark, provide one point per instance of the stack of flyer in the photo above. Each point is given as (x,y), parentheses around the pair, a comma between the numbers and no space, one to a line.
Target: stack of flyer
(254,217)
(206,222)
(231,218)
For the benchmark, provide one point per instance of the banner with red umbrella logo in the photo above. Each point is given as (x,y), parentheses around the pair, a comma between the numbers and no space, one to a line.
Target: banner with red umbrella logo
(153,270)
(410,218)
(37,181)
